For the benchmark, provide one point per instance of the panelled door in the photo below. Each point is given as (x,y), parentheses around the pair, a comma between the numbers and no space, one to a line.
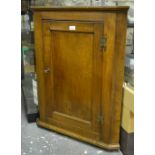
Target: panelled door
(72,58)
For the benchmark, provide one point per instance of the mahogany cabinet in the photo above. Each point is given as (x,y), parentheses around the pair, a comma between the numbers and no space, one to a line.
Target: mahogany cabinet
(80,67)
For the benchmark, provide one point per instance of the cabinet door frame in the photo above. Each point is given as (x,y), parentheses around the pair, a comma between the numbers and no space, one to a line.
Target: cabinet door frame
(97,29)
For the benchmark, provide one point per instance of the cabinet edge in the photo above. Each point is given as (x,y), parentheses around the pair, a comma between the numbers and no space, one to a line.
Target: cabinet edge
(77,136)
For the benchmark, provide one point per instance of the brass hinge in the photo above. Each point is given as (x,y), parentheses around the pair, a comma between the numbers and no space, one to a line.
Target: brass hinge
(103,42)
(100,118)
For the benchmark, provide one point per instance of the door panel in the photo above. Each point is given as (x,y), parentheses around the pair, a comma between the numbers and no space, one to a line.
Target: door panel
(72,72)
(73,59)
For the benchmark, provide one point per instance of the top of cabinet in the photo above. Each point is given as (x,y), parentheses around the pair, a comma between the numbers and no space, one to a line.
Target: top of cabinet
(81,8)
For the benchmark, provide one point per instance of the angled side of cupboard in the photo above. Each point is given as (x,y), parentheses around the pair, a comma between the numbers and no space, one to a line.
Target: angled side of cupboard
(80,67)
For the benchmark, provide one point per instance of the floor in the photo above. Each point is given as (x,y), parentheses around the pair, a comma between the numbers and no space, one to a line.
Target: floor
(39,141)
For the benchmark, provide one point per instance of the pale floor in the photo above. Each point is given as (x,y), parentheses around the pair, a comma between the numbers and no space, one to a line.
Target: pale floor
(39,141)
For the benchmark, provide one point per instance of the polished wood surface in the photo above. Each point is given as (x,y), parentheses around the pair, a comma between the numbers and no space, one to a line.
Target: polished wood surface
(80,81)
(80,8)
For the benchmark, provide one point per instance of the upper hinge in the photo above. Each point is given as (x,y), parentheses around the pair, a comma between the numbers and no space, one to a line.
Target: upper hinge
(103,42)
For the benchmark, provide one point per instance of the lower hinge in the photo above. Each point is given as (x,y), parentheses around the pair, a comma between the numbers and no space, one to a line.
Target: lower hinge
(103,42)
(100,118)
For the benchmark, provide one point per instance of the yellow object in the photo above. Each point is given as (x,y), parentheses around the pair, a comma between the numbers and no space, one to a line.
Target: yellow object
(128,99)
(128,109)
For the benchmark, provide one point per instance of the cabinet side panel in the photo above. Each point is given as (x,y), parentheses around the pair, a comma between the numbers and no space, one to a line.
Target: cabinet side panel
(118,76)
(39,62)
(107,68)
